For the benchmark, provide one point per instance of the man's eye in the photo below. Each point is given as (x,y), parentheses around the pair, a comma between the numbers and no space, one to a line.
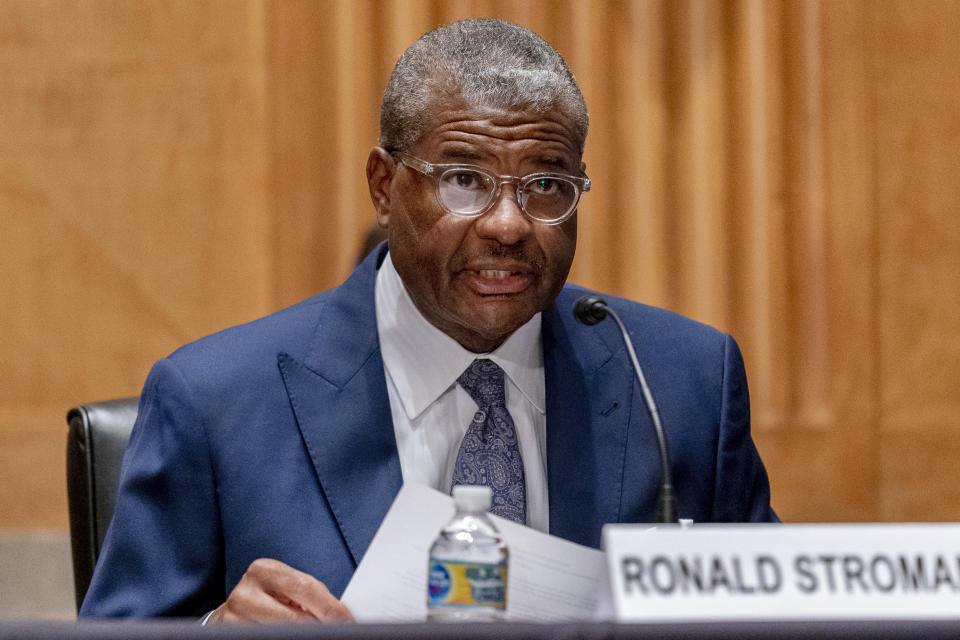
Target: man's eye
(544,185)
(468,180)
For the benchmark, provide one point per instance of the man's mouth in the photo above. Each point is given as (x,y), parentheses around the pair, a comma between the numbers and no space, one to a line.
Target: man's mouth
(498,282)
(494,274)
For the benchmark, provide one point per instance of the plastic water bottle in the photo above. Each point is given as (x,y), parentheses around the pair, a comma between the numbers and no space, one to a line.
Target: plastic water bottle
(467,569)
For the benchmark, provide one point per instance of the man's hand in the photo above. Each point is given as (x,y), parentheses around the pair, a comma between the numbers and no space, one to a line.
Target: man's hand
(273,592)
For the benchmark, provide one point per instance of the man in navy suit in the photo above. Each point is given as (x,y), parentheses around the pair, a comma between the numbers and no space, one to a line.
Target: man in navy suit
(265,456)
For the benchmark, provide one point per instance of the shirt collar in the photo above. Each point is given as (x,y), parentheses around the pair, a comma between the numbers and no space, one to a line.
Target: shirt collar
(423,362)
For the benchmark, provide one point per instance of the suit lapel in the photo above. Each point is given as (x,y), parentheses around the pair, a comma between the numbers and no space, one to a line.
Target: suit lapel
(339,396)
(588,409)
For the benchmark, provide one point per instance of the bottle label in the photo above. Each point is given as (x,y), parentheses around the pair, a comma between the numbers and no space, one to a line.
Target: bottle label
(453,584)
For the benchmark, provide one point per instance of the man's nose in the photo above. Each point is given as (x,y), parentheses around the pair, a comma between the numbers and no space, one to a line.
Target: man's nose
(505,222)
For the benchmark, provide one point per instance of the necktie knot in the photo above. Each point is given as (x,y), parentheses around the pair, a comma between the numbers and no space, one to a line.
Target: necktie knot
(484,381)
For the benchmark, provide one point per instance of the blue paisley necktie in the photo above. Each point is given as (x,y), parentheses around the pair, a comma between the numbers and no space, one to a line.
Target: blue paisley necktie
(489,453)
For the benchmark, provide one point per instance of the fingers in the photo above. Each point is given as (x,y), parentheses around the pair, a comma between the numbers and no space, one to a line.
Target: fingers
(301,590)
(312,596)
(248,604)
(273,592)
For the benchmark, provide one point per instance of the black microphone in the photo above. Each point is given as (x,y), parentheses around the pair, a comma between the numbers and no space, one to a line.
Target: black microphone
(590,310)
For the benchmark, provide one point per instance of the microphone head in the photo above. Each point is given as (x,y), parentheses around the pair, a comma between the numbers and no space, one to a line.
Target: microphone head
(590,310)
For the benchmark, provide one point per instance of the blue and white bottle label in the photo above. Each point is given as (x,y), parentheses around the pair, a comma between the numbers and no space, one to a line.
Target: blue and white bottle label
(473,584)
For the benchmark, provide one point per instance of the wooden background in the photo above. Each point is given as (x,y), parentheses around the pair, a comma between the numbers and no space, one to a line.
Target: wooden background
(786,171)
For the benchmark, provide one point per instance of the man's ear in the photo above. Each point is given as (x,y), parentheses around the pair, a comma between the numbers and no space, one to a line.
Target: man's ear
(381,169)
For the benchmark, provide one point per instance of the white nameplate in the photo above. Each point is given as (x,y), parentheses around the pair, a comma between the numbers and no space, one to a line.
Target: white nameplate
(782,572)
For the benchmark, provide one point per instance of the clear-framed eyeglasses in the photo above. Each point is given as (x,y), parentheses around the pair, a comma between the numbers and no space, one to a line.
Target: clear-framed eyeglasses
(469,191)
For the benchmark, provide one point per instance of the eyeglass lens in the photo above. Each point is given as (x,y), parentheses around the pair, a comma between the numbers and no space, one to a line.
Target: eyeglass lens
(469,191)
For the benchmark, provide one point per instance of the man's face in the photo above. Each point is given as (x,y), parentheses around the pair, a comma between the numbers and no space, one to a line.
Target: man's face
(478,279)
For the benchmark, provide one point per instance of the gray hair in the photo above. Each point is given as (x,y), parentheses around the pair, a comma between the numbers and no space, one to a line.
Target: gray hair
(487,62)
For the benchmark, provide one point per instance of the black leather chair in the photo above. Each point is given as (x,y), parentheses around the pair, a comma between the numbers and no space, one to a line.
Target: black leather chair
(98,436)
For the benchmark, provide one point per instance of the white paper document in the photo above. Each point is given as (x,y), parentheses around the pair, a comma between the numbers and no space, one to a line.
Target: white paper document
(550,579)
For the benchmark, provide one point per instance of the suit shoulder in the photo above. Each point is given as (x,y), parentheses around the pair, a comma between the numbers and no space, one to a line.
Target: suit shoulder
(246,353)
(643,320)
(244,346)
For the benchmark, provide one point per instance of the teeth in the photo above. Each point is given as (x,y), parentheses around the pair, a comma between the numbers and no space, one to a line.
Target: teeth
(494,273)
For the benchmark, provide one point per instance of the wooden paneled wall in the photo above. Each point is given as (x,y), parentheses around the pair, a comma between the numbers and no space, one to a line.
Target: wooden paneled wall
(786,171)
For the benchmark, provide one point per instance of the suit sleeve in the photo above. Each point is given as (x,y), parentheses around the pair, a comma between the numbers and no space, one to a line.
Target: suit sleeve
(742,489)
(162,555)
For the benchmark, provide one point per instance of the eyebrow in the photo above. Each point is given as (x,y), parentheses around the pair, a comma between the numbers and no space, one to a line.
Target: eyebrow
(553,163)
(461,154)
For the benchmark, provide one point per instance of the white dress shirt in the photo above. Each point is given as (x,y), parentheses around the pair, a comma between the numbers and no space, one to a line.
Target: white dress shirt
(431,412)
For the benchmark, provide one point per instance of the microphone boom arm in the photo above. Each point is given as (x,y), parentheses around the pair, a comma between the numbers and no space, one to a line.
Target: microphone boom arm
(591,310)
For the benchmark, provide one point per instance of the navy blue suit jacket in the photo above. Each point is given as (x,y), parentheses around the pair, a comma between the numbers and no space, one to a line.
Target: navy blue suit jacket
(274,439)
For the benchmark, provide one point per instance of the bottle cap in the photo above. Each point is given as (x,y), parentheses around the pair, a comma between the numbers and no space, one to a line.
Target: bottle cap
(473,497)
